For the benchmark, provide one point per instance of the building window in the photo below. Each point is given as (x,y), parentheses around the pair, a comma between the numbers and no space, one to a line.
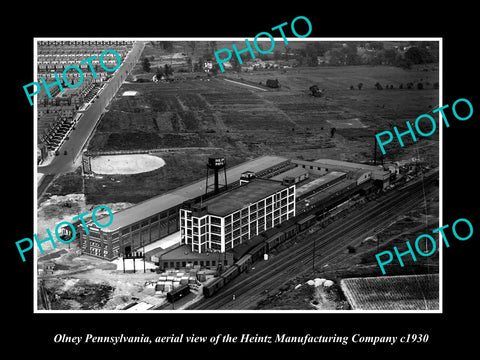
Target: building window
(215,220)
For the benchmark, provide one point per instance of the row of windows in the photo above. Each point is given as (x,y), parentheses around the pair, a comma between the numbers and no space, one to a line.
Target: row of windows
(150,221)
(128,231)
(260,209)
(243,232)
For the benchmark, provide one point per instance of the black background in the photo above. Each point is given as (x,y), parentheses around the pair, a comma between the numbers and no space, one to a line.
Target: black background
(455,23)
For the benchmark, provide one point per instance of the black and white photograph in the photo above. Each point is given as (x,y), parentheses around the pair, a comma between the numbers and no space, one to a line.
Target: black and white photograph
(259,187)
(217,180)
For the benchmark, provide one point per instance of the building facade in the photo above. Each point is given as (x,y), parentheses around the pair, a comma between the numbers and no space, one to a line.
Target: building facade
(230,219)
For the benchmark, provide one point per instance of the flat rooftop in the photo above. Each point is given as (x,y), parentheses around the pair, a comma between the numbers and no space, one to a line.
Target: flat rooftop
(176,197)
(236,199)
(325,179)
(295,172)
(183,252)
(348,164)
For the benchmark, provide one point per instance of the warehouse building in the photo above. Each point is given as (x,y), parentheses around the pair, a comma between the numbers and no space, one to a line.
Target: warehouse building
(292,176)
(155,218)
(362,172)
(182,257)
(232,218)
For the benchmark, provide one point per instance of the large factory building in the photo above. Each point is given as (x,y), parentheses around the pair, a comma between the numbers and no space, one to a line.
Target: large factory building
(155,218)
(232,218)
(260,194)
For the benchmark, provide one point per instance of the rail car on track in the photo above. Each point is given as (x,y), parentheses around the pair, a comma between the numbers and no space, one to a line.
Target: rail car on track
(270,240)
(178,293)
(284,232)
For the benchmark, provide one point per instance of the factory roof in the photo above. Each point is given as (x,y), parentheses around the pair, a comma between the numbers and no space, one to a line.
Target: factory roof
(295,172)
(377,171)
(183,252)
(348,164)
(242,196)
(329,177)
(176,197)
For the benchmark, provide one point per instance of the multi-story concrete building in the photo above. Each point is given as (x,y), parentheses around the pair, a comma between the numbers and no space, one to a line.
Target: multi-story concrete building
(227,220)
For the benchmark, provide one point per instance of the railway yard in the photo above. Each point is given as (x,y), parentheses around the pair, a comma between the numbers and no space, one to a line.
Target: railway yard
(267,279)
(347,206)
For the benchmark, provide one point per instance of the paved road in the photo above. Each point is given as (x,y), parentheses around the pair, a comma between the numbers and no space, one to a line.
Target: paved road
(86,125)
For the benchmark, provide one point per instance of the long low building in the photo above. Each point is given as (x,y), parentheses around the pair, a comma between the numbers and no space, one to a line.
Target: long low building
(323,166)
(158,217)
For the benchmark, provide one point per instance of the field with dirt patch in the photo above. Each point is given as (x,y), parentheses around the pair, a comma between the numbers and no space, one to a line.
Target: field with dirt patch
(209,114)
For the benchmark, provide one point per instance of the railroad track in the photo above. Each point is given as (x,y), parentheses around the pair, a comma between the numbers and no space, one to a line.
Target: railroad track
(249,290)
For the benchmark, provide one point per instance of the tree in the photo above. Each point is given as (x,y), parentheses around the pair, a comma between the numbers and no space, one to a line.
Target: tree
(159,72)
(351,56)
(192,45)
(273,83)
(166,45)
(168,70)
(315,91)
(360,85)
(337,57)
(389,56)
(146,65)
(332,132)
(418,55)
(235,63)
(212,46)
(312,60)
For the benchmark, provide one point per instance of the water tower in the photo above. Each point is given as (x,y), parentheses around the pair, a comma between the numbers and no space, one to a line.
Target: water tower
(216,164)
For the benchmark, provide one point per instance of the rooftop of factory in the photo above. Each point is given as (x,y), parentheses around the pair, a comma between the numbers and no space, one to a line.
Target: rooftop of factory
(348,164)
(316,183)
(182,252)
(236,199)
(157,204)
(295,172)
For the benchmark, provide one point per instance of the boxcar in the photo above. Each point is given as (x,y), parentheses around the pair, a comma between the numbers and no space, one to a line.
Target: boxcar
(178,293)
(306,222)
(257,252)
(230,273)
(244,263)
(213,287)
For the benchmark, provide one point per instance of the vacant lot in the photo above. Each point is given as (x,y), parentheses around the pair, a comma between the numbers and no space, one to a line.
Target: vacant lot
(211,115)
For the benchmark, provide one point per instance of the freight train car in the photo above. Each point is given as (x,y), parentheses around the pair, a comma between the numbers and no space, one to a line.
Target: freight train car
(270,240)
(178,293)
(213,287)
